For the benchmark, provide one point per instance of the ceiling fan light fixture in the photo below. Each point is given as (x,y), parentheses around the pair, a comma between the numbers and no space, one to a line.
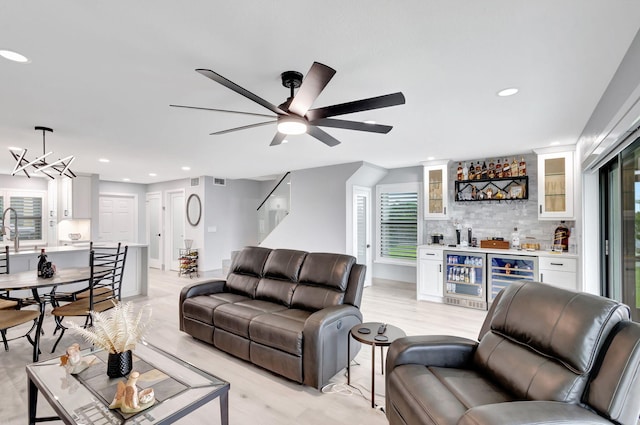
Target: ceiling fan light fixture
(291,126)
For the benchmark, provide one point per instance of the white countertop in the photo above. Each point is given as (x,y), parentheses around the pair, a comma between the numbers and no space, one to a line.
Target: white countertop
(30,250)
(539,253)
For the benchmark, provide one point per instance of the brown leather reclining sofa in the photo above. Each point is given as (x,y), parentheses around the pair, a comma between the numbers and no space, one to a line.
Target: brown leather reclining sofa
(545,355)
(287,311)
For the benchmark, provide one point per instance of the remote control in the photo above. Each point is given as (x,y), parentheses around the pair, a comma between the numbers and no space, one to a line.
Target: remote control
(382,329)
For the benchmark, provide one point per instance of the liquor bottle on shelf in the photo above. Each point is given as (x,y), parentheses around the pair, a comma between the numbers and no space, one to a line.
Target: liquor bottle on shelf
(506,169)
(522,167)
(478,171)
(484,169)
(465,172)
(514,168)
(472,171)
(491,172)
(459,171)
(498,170)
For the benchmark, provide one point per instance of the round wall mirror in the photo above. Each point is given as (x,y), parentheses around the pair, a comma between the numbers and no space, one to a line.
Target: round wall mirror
(194,209)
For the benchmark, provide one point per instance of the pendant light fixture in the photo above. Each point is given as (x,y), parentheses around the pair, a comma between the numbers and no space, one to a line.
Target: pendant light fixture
(40,165)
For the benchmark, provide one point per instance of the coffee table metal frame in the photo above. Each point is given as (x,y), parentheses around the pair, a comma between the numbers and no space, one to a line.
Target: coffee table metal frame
(392,333)
(202,388)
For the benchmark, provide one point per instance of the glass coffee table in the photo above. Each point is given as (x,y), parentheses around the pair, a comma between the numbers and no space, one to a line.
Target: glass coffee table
(84,398)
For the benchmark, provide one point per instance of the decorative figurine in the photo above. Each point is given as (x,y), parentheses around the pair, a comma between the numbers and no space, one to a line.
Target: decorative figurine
(73,361)
(128,399)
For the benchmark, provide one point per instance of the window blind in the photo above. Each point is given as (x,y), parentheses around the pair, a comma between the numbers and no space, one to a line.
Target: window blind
(398,225)
(29,211)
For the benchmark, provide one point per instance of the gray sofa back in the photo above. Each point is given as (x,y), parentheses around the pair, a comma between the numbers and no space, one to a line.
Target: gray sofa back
(296,279)
(542,342)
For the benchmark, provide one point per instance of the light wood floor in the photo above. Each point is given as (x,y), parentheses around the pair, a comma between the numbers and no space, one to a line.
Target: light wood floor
(258,397)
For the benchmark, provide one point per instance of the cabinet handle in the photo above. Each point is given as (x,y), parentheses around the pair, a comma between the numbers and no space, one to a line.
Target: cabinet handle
(557,264)
(440,268)
(542,277)
(66,213)
(540,208)
(444,210)
(430,253)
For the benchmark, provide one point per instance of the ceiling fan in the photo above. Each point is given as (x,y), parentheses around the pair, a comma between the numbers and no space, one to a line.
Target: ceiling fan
(294,116)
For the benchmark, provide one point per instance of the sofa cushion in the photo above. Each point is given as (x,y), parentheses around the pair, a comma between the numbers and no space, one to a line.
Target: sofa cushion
(201,307)
(246,270)
(284,264)
(314,298)
(274,290)
(281,330)
(236,317)
(327,270)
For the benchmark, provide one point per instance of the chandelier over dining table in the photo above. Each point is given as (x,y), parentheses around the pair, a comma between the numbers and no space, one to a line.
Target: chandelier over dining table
(59,167)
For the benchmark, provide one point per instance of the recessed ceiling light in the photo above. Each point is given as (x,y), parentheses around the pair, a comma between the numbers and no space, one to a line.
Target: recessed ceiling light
(103,160)
(508,92)
(369,122)
(14,56)
(126,179)
(431,158)
(186,168)
(152,174)
(554,143)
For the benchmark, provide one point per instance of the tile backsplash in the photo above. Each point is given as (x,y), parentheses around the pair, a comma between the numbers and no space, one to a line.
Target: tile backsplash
(495,218)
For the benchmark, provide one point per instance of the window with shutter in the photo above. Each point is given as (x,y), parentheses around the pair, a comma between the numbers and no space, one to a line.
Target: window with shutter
(29,206)
(398,224)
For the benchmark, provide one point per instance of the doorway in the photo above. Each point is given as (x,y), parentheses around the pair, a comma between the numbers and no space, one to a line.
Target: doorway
(175,227)
(154,229)
(620,188)
(362,230)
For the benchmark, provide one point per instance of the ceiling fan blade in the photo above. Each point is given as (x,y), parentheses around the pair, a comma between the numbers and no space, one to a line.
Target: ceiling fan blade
(223,110)
(316,80)
(277,139)
(244,127)
(356,106)
(352,125)
(244,92)
(323,136)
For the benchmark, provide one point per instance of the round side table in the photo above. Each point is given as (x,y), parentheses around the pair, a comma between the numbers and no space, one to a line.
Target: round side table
(367,333)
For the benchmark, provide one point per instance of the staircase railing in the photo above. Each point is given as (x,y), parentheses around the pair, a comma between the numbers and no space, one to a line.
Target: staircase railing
(275,207)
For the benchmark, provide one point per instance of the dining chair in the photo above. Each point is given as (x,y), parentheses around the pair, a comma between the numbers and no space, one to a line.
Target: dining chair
(104,291)
(11,313)
(6,302)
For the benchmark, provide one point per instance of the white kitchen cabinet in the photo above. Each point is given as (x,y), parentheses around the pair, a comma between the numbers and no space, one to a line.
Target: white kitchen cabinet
(430,275)
(559,271)
(74,198)
(556,186)
(435,192)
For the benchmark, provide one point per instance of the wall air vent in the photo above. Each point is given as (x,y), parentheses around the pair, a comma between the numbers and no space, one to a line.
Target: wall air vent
(217,181)
(195,181)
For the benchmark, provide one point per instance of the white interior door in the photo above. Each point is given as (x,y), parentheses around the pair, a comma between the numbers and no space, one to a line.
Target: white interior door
(362,229)
(176,207)
(118,218)
(154,229)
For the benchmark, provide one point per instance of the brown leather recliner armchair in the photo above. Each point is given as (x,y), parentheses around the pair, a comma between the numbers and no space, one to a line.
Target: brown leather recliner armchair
(545,355)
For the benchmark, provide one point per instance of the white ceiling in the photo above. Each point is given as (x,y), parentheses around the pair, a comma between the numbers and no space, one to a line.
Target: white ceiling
(103,74)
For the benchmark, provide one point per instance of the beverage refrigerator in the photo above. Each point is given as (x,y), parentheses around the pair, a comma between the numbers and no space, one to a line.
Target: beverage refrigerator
(505,269)
(465,279)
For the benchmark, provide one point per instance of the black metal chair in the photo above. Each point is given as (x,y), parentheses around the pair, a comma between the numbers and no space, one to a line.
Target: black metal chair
(104,291)
(11,313)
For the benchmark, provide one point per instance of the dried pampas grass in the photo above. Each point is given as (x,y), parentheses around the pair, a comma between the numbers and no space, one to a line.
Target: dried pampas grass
(116,330)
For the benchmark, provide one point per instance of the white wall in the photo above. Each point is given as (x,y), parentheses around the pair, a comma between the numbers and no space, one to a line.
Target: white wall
(318,203)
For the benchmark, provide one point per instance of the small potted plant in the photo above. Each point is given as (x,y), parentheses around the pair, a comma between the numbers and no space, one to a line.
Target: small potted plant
(117,331)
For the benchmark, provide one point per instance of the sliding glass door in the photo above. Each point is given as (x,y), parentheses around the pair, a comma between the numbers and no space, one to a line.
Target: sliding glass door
(620,186)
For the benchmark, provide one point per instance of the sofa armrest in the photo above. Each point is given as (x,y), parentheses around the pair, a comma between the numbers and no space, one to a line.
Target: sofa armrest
(431,350)
(326,335)
(530,412)
(212,286)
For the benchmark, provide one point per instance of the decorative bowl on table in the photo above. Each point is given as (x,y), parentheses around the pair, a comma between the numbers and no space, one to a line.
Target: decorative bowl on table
(75,236)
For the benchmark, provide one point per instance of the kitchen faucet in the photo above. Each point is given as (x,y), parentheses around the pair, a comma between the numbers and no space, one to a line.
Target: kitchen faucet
(16,237)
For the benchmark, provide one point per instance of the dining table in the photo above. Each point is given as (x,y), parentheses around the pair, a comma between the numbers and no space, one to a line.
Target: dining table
(29,280)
